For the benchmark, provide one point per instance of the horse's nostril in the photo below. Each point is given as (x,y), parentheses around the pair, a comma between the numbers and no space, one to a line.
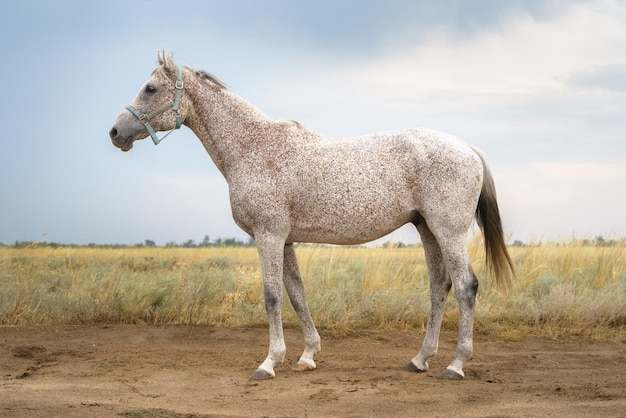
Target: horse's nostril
(113,133)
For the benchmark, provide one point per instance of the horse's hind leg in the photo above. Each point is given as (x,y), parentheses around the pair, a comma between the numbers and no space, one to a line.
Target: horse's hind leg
(454,251)
(295,289)
(439,288)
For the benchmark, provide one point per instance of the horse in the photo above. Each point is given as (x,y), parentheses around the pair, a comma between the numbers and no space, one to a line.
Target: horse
(289,184)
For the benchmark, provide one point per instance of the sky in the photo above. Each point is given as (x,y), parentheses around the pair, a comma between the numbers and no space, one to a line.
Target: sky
(538,85)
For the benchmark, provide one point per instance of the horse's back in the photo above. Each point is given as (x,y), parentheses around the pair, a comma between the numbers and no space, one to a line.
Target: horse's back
(419,158)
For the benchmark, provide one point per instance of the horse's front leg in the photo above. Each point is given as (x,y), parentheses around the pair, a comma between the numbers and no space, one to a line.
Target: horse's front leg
(271,256)
(295,290)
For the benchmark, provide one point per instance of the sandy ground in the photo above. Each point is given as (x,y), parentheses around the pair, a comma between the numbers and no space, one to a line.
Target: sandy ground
(201,371)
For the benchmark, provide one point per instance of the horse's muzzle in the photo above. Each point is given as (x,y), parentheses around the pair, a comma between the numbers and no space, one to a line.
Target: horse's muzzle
(119,141)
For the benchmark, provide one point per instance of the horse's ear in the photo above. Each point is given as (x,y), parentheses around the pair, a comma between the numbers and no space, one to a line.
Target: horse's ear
(167,62)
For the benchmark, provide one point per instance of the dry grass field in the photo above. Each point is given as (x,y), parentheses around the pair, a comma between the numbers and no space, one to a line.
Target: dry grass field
(561,289)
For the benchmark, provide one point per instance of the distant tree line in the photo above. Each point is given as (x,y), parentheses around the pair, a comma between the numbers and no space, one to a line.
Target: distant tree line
(598,241)
(206,242)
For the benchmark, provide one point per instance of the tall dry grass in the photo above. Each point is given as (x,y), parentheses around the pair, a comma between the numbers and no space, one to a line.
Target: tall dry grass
(562,289)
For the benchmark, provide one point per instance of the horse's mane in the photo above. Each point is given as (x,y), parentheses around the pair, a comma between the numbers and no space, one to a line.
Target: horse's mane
(211,78)
(204,75)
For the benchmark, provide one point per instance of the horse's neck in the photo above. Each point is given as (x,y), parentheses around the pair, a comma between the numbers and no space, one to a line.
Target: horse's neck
(229,128)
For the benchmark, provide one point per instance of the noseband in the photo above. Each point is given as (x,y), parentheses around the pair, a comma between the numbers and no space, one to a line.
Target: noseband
(174,105)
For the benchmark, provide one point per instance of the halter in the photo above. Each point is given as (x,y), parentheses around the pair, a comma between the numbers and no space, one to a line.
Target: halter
(174,105)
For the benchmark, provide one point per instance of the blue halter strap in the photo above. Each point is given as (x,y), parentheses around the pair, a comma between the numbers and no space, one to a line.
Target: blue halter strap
(174,105)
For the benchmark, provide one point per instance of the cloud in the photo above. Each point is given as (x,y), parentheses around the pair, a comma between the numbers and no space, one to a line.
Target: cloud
(523,56)
(611,78)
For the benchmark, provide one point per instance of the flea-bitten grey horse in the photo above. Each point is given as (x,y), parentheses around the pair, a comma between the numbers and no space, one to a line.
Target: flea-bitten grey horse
(289,184)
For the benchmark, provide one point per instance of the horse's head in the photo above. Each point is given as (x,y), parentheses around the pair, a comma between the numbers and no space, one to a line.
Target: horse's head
(157,107)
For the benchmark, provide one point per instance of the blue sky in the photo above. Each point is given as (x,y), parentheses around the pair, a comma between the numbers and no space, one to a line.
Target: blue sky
(539,86)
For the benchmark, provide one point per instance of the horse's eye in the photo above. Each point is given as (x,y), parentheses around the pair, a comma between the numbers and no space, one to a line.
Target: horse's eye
(150,89)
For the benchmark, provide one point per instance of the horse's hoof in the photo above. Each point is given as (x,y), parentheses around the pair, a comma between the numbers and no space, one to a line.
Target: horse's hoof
(413,368)
(450,375)
(261,374)
(303,367)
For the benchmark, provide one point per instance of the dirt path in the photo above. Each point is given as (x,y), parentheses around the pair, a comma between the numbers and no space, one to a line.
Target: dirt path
(199,372)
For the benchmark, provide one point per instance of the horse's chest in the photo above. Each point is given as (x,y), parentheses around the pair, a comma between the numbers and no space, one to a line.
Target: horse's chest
(257,200)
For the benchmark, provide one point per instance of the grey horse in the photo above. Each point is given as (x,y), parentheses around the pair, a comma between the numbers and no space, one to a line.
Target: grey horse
(289,184)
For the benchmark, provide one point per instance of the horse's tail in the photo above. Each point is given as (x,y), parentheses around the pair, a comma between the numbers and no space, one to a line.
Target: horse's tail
(488,217)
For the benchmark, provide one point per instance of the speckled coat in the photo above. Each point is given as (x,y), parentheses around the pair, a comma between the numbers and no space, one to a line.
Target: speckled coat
(289,184)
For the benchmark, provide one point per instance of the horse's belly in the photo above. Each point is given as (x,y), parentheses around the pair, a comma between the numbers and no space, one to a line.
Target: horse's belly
(339,237)
(355,225)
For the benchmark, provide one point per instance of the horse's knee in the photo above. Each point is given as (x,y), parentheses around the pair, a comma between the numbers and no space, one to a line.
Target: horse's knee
(297,298)
(273,300)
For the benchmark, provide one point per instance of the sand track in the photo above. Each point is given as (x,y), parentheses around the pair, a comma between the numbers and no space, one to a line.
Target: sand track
(201,371)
